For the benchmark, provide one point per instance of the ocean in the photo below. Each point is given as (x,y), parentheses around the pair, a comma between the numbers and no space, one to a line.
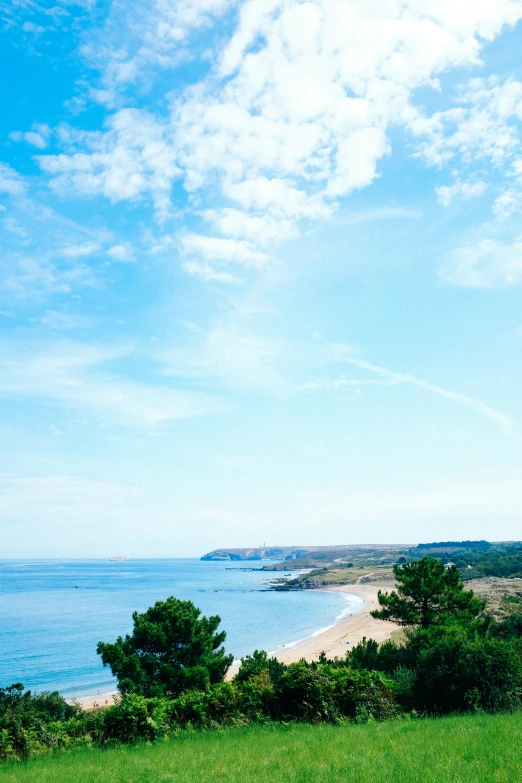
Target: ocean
(53,613)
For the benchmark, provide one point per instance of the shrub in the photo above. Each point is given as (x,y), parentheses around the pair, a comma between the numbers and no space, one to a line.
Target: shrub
(362,694)
(305,693)
(457,670)
(31,723)
(134,718)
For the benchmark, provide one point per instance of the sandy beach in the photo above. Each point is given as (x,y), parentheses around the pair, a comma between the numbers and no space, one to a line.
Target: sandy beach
(91,702)
(334,642)
(352,629)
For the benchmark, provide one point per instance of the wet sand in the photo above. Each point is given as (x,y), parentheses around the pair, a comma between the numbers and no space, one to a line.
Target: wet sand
(337,640)
(334,641)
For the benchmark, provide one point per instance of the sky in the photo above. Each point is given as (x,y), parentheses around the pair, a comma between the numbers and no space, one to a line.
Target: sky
(260,274)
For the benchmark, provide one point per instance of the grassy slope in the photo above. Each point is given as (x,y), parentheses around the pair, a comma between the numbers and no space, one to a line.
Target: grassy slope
(458,749)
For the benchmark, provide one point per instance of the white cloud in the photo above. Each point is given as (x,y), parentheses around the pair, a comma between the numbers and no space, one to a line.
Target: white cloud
(14,227)
(24,275)
(464,190)
(301,103)
(208,274)
(507,203)
(37,137)
(80,251)
(10,181)
(489,263)
(45,254)
(76,376)
(483,126)
(121,252)
(264,230)
(234,353)
(133,159)
(225,250)
(483,132)
(139,39)
(294,115)
(31,27)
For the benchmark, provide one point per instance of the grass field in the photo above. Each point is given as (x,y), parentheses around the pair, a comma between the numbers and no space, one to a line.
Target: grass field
(480,748)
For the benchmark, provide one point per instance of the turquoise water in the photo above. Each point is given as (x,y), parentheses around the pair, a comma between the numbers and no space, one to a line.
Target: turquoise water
(53,613)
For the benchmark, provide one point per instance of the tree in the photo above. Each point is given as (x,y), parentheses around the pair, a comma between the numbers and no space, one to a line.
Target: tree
(171,650)
(428,592)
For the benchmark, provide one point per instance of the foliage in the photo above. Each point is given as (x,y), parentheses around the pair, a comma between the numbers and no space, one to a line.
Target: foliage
(427,592)
(458,668)
(134,717)
(510,628)
(450,667)
(171,650)
(32,723)
(385,657)
(500,564)
(477,545)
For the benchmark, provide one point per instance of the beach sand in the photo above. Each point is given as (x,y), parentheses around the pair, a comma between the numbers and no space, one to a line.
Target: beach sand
(91,702)
(333,641)
(352,629)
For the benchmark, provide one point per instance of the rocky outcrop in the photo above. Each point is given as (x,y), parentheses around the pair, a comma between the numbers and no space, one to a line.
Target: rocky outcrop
(298,584)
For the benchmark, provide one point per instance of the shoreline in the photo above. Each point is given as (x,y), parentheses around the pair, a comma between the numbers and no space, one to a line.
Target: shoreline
(334,641)
(92,702)
(337,639)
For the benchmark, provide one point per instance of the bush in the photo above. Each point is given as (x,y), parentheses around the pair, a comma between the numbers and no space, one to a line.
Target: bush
(135,718)
(458,670)
(385,657)
(361,695)
(30,724)
(305,693)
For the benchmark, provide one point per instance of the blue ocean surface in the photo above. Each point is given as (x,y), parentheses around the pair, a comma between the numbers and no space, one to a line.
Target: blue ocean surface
(53,613)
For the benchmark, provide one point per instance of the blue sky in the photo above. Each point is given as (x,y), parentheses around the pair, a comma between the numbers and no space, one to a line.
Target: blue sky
(260,274)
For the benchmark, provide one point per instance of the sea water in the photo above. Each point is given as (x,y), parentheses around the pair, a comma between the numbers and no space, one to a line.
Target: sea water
(53,613)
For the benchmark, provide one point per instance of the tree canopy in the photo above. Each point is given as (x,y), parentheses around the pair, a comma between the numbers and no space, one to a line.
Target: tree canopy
(171,650)
(427,593)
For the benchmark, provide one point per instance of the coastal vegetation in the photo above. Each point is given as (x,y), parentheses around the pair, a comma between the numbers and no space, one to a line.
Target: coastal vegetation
(345,566)
(453,657)
(171,650)
(427,593)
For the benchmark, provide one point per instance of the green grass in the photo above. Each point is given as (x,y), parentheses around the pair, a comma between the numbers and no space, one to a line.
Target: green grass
(481,748)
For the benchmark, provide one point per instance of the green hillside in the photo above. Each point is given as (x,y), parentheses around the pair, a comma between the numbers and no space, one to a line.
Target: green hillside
(467,749)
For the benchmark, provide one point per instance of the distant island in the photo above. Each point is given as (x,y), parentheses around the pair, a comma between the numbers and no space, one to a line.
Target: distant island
(118,559)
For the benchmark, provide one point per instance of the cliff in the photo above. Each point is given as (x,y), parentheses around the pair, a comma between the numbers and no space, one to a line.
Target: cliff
(256,553)
(289,552)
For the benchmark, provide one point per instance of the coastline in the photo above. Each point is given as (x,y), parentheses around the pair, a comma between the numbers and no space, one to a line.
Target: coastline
(337,639)
(333,641)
